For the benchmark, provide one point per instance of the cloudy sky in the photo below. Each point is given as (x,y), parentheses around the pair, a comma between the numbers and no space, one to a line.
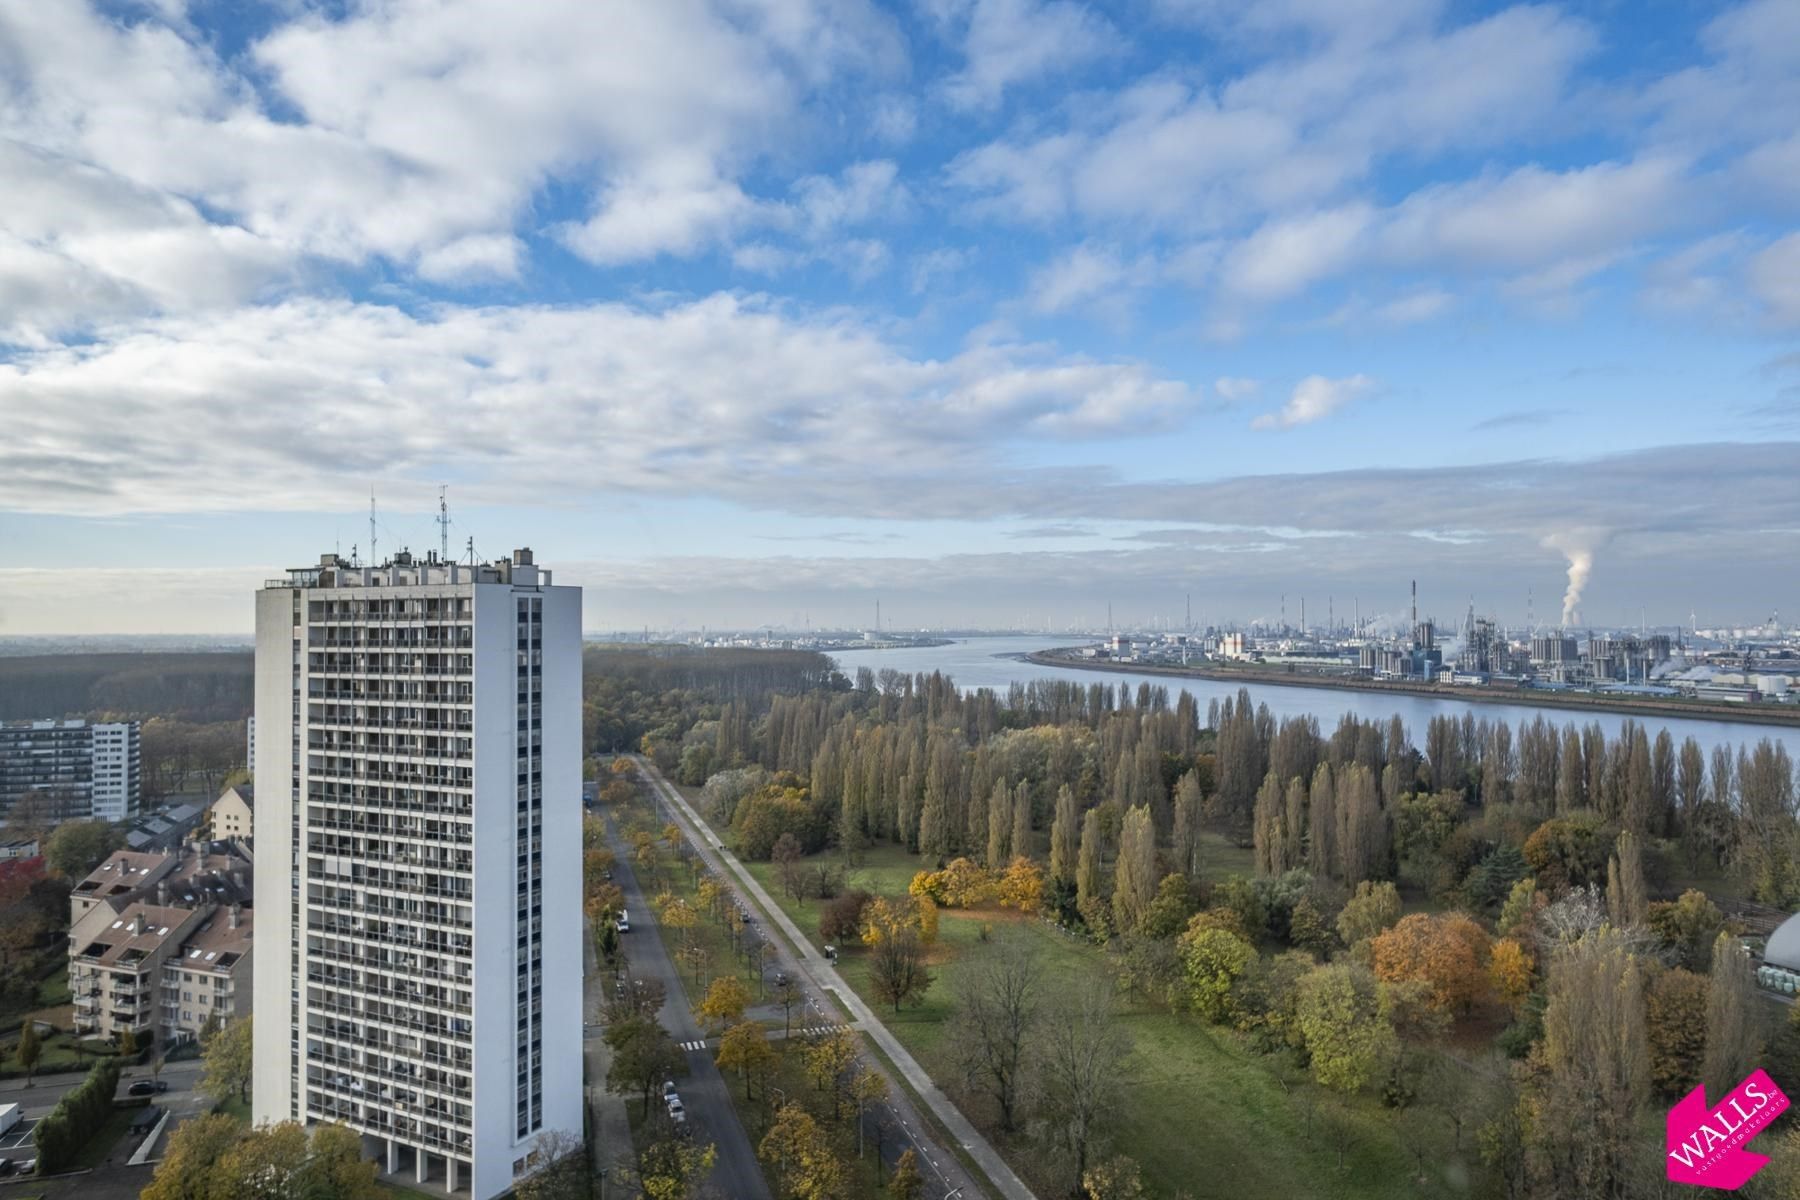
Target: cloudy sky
(752,311)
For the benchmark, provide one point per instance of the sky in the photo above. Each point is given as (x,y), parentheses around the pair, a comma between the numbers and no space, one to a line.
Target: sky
(1000,312)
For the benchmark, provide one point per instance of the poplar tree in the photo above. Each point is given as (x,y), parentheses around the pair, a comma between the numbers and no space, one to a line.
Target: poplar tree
(1021,821)
(1134,883)
(1734,1026)
(1188,800)
(1321,838)
(999,826)
(1089,900)
(1065,838)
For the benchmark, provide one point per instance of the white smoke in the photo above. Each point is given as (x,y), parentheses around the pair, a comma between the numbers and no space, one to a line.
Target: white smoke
(1579,547)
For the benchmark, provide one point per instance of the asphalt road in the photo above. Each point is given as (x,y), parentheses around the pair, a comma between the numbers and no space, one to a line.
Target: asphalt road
(711,1113)
(901,1123)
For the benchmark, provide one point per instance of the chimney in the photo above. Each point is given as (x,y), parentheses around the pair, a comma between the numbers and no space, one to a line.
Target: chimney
(162,892)
(237,878)
(232,918)
(137,924)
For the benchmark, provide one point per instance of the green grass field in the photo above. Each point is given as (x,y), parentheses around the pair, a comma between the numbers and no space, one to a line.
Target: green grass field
(1205,1116)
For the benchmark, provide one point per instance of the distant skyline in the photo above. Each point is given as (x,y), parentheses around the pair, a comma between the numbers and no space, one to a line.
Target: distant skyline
(1000,310)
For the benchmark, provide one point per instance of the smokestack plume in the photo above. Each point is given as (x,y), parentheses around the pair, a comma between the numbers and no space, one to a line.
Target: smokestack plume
(1579,547)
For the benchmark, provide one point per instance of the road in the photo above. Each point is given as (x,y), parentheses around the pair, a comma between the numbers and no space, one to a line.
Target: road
(710,1110)
(829,995)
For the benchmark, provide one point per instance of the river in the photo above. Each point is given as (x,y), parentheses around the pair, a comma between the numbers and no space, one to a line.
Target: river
(988,662)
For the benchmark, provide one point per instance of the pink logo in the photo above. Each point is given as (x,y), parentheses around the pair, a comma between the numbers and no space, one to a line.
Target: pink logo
(1706,1148)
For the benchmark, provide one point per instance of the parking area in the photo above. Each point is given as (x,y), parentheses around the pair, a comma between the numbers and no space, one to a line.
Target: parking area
(18,1136)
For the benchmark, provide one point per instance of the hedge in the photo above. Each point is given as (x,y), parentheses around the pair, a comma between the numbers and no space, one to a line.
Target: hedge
(82,1111)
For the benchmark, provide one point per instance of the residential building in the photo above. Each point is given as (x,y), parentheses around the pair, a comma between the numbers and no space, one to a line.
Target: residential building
(116,966)
(18,848)
(118,771)
(229,816)
(210,977)
(78,770)
(123,877)
(418,812)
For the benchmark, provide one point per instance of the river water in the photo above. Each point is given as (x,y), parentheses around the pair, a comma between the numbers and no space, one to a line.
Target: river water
(987,662)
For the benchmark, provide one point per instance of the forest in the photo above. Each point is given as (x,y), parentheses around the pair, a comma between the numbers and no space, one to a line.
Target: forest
(1531,936)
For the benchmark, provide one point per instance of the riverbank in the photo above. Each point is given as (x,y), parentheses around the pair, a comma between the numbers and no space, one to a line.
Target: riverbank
(1784,716)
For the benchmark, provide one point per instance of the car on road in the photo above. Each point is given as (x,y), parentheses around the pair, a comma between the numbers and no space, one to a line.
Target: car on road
(668,1089)
(27,1166)
(624,922)
(7,1166)
(147,1087)
(677,1111)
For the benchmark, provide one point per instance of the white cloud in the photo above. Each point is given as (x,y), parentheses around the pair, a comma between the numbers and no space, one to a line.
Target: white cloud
(1233,390)
(1284,257)
(1315,398)
(1010,42)
(421,133)
(303,402)
(1774,276)
(1085,274)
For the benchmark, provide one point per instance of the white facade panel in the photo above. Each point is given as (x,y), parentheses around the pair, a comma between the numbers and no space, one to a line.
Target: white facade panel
(430,734)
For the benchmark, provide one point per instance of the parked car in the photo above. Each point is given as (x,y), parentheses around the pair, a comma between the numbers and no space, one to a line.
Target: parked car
(668,1089)
(28,1166)
(624,922)
(147,1087)
(7,1166)
(677,1113)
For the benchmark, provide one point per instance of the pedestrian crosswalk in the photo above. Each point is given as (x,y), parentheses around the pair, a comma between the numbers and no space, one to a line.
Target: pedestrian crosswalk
(799,1031)
(813,1031)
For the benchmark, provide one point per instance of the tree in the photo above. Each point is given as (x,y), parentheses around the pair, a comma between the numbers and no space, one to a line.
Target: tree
(868,1087)
(842,918)
(643,1052)
(1117,1178)
(1213,960)
(1734,1018)
(787,993)
(1134,881)
(907,1183)
(828,1061)
(228,1061)
(1511,972)
(673,1168)
(1688,926)
(1626,899)
(562,1171)
(195,1150)
(786,856)
(803,1157)
(77,847)
(1188,801)
(335,1167)
(1339,1016)
(1082,1054)
(1675,1030)
(1373,908)
(1089,901)
(725,1002)
(1448,951)
(1583,1132)
(29,1050)
(1065,838)
(745,1048)
(897,968)
(128,1044)
(996,1007)
(1022,887)
(999,826)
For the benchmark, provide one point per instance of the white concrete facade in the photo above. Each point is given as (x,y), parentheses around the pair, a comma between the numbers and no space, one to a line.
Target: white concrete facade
(418,906)
(118,771)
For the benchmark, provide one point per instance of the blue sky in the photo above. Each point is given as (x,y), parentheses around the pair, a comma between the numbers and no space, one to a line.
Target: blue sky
(751,311)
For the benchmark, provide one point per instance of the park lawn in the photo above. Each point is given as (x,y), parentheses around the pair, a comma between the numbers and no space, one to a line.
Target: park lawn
(238,1110)
(1206,1115)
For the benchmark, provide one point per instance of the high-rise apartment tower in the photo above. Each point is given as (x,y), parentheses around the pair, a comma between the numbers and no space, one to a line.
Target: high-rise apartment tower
(418,892)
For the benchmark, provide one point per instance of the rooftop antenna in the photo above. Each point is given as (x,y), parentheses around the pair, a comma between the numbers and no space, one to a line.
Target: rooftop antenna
(443,521)
(374,556)
(471,550)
